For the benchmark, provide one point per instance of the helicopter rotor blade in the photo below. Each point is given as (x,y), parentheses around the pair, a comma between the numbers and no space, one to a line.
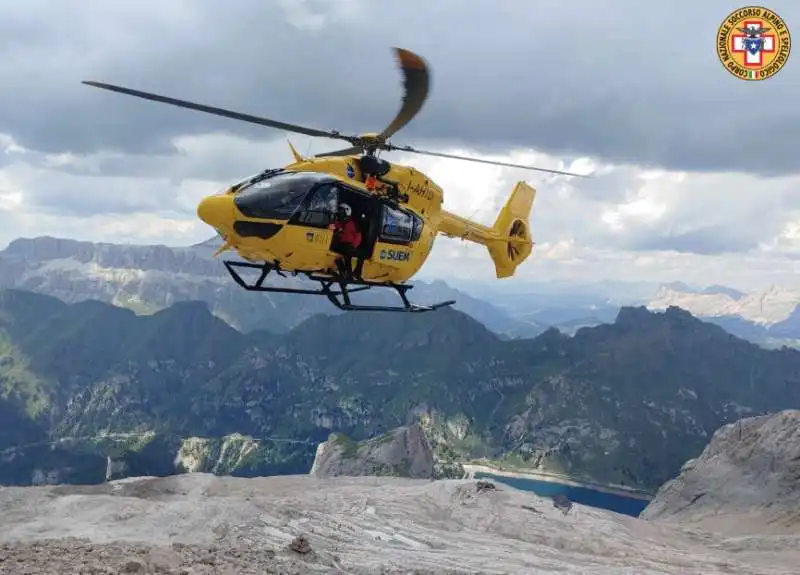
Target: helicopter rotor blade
(222,112)
(416,84)
(343,152)
(481,161)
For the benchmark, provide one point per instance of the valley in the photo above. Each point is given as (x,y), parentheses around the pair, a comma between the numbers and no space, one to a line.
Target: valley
(625,403)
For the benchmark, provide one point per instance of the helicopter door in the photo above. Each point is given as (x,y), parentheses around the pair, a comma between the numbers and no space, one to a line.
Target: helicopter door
(314,217)
(362,208)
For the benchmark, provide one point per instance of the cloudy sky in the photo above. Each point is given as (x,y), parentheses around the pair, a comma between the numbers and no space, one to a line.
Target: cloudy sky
(697,176)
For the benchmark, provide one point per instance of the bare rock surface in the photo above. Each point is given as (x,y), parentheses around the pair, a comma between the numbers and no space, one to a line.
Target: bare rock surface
(202,524)
(402,452)
(746,481)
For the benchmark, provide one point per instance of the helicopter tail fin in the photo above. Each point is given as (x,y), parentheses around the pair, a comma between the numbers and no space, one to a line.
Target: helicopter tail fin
(512,242)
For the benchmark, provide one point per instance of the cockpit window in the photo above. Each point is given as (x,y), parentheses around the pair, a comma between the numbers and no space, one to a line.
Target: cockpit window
(397,226)
(275,197)
(319,210)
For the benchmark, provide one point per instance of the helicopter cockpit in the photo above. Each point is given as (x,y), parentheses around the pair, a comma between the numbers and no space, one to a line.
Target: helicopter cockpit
(311,200)
(276,195)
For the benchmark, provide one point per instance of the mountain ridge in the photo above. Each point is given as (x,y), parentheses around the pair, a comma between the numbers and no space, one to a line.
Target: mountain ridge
(146,278)
(623,403)
(150,277)
(769,307)
(770,318)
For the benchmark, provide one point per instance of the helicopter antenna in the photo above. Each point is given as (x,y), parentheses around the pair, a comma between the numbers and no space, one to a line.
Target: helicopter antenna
(416,85)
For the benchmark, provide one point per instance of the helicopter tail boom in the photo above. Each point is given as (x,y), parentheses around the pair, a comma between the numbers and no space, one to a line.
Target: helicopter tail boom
(509,239)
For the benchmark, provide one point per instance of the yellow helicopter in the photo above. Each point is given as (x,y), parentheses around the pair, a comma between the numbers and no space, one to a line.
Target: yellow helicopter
(305,218)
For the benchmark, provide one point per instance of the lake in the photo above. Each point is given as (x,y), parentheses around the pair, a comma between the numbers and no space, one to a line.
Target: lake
(583,495)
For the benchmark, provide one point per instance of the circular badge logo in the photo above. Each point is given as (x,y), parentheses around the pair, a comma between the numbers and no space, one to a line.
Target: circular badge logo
(753,43)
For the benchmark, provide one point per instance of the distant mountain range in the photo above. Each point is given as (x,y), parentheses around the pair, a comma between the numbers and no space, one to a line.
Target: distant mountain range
(149,278)
(770,318)
(625,403)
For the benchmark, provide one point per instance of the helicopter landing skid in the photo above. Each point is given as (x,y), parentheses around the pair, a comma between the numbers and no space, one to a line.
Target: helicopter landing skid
(328,285)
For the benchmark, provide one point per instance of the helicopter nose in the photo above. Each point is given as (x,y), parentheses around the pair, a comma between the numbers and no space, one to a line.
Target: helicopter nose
(216,210)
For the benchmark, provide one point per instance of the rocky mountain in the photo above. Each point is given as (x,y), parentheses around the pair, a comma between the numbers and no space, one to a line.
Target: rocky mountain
(146,279)
(765,308)
(625,403)
(770,318)
(401,452)
(749,474)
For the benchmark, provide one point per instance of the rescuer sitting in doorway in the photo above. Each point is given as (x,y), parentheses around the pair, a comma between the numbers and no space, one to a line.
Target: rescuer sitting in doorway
(348,237)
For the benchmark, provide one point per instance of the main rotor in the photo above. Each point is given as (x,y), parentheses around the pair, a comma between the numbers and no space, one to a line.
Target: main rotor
(416,84)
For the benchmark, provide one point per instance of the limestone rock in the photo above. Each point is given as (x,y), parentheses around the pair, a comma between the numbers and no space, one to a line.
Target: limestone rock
(115,468)
(300,545)
(402,452)
(198,523)
(748,477)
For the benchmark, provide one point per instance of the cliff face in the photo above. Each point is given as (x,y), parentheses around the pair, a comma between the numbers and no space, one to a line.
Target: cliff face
(747,478)
(402,452)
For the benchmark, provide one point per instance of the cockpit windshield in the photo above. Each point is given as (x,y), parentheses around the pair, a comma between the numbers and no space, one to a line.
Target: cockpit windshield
(275,196)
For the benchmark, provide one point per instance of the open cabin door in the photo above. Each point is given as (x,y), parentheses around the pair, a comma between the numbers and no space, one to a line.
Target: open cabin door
(365,211)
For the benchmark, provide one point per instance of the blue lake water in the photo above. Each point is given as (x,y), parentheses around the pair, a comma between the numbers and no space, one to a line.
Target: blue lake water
(583,495)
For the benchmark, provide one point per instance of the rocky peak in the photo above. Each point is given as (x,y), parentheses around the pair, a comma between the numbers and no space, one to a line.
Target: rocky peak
(633,316)
(46,249)
(641,318)
(402,452)
(378,331)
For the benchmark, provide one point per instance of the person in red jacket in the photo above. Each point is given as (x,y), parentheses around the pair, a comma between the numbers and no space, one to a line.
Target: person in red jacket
(348,237)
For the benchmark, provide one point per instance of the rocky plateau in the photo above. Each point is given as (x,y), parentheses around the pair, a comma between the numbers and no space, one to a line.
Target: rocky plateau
(202,524)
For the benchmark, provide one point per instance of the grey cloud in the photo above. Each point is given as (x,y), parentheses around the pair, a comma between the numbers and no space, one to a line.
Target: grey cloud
(5,160)
(79,198)
(565,78)
(223,160)
(612,187)
(123,184)
(704,241)
(52,192)
(705,215)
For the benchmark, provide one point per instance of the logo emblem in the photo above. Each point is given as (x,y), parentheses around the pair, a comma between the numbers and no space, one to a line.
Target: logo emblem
(395,255)
(309,236)
(753,43)
(351,173)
